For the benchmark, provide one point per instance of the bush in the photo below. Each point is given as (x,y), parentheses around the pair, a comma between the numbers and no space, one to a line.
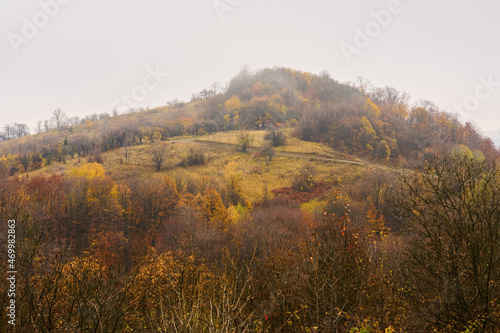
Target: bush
(194,157)
(304,179)
(277,137)
(268,152)
(245,140)
(96,158)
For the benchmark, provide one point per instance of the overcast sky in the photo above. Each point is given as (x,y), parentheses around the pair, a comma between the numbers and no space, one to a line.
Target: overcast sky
(83,56)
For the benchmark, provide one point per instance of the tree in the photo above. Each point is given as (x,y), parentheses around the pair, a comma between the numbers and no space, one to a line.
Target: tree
(363,85)
(59,117)
(214,211)
(8,132)
(383,152)
(21,130)
(158,155)
(47,125)
(452,265)
(268,151)
(209,100)
(236,193)
(126,150)
(232,107)
(277,137)
(39,127)
(367,132)
(376,221)
(245,140)
(304,179)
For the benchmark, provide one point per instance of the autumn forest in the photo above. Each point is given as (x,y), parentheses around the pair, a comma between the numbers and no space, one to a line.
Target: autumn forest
(283,201)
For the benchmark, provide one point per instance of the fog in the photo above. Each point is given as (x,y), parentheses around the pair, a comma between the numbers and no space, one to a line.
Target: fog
(83,56)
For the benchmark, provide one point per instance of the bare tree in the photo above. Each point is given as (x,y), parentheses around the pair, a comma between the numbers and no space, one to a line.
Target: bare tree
(158,155)
(39,127)
(452,263)
(21,130)
(73,121)
(209,98)
(8,132)
(268,152)
(47,125)
(363,85)
(59,118)
(104,115)
(126,152)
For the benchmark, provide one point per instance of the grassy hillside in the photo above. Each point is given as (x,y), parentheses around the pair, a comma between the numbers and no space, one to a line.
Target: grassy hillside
(257,172)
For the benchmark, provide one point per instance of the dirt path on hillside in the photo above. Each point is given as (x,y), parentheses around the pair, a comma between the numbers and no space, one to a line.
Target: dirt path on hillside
(282,154)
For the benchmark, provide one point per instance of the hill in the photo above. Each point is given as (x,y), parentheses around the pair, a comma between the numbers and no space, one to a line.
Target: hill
(284,202)
(376,124)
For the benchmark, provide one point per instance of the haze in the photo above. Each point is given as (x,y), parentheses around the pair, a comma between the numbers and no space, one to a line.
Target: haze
(89,53)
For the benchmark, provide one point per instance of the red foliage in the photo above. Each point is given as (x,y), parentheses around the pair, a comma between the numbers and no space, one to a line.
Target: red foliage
(301,197)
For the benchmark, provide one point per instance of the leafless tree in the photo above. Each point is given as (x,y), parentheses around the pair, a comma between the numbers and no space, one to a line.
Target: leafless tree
(158,155)
(452,266)
(8,132)
(47,125)
(59,117)
(21,130)
(73,121)
(126,152)
(209,98)
(39,127)
(268,152)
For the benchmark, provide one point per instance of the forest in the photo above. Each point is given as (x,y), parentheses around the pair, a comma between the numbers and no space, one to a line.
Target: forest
(283,201)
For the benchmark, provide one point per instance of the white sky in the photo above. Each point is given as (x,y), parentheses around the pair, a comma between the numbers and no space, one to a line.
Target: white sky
(91,52)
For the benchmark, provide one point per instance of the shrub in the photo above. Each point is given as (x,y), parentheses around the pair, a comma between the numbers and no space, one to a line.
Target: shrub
(195,157)
(304,179)
(277,137)
(244,140)
(268,152)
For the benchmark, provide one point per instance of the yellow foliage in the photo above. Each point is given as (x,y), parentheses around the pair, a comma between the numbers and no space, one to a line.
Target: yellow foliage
(8,158)
(88,171)
(171,184)
(232,104)
(230,169)
(83,266)
(7,162)
(214,210)
(371,109)
(377,221)
(367,132)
